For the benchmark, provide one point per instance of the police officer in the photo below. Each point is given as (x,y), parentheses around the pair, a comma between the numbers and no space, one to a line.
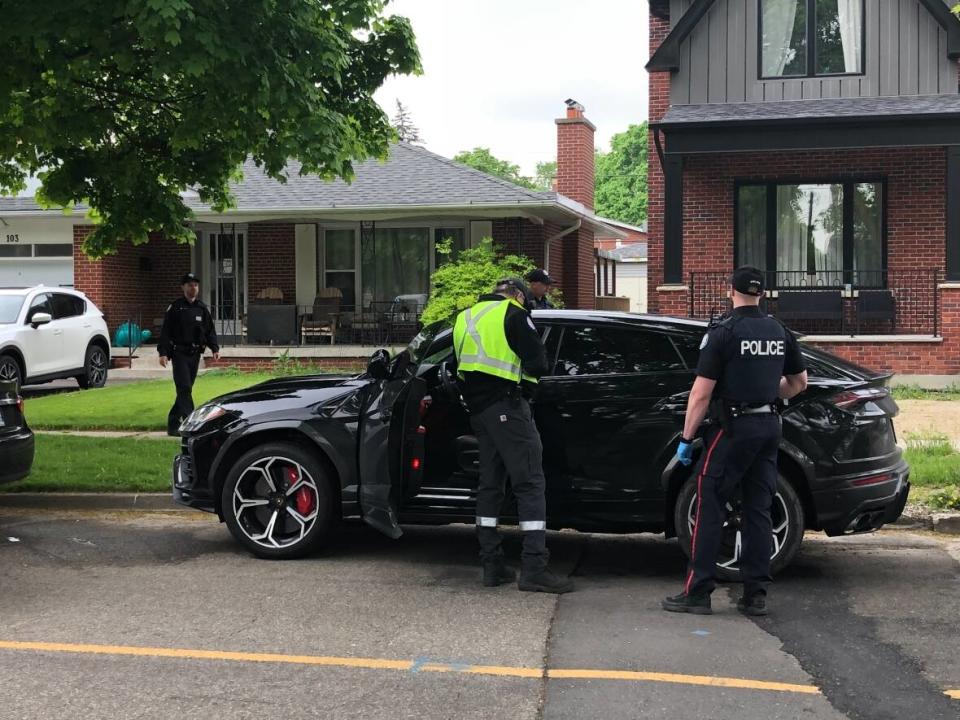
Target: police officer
(747,361)
(498,349)
(187,330)
(540,283)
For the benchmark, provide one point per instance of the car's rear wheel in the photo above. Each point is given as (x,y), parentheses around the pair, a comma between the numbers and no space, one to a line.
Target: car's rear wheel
(277,501)
(10,370)
(786,513)
(94,368)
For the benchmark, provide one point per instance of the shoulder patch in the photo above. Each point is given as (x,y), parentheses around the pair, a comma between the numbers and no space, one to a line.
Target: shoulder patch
(530,323)
(706,339)
(169,307)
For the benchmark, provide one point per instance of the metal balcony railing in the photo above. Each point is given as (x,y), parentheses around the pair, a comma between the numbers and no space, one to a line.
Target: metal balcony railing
(862,302)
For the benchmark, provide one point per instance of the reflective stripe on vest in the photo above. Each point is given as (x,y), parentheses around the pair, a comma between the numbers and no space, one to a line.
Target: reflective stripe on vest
(496,357)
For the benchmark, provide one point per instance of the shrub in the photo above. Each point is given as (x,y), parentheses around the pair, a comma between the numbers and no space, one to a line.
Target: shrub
(457,284)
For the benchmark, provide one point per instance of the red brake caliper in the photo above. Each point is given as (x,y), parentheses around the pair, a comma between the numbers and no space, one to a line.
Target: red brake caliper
(303,498)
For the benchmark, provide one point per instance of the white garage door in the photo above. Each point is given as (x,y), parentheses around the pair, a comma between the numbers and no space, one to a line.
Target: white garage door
(35,251)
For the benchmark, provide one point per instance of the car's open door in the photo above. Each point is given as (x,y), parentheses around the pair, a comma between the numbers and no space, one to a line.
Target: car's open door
(390,448)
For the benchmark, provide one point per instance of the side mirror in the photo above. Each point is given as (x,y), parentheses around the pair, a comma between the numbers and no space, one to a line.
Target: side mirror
(40,318)
(379,366)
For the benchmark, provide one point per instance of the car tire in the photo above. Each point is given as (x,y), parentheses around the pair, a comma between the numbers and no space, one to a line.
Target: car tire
(10,370)
(252,510)
(95,368)
(787,508)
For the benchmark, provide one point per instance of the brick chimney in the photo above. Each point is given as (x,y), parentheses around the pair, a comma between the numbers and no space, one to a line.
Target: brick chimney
(575,155)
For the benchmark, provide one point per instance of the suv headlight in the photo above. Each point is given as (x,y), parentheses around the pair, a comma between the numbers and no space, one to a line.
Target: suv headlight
(201,416)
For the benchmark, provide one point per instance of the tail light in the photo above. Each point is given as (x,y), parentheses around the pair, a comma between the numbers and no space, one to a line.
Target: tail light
(415,463)
(849,399)
(871,480)
(20,404)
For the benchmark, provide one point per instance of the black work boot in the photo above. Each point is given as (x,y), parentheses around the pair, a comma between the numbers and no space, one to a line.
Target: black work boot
(495,572)
(693,604)
(755,605)
(542,580)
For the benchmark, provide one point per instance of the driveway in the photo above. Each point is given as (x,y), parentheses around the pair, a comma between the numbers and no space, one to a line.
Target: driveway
(160,615)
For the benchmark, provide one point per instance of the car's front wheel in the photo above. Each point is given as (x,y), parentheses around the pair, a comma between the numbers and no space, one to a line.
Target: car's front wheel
(786,513)
(95,367)
(10,370)
(277,501)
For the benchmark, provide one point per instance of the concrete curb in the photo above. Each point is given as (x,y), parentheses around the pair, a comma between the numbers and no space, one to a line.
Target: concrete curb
(139,502)
(919,518)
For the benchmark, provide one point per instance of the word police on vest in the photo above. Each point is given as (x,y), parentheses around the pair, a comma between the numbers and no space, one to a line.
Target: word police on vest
(760,348)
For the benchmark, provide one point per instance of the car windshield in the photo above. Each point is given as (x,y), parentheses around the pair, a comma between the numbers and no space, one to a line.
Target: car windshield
(10,308)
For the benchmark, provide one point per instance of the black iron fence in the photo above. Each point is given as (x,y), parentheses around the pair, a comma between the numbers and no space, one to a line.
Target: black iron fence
(864,302)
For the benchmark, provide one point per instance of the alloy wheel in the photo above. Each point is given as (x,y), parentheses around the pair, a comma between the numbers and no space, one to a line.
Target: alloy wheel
(275,502)
(9,371)
(731,542)
(97,373)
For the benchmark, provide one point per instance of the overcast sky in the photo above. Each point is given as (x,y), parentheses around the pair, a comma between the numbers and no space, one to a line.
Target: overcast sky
(496,72)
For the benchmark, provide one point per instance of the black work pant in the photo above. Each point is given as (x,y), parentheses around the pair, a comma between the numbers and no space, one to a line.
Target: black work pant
(744,459)
(185,366)
(510,447)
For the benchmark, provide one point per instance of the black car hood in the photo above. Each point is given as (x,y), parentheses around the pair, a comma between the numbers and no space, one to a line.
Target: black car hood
(302,390)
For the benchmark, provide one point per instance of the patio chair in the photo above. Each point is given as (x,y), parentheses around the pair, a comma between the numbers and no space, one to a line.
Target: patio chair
(269,296)
(322,322)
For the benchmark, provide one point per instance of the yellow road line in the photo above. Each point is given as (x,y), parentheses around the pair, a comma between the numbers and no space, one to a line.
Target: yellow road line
(407,665)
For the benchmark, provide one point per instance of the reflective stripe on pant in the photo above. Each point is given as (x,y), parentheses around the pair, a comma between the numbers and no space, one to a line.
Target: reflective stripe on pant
(185,367)
(747,462)
(510,447)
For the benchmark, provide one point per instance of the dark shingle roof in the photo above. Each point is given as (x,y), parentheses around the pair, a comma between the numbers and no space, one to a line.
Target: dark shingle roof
(633,251)
(412,176)
(832,109)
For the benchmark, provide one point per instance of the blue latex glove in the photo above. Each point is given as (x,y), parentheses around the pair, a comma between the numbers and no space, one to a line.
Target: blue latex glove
(685,452)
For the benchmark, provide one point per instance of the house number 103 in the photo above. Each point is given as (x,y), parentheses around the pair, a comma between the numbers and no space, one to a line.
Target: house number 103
(13,238)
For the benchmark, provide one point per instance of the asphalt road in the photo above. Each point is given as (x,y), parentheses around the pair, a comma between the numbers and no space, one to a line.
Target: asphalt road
(161,616)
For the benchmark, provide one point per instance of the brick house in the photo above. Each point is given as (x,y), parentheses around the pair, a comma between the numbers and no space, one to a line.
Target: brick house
(819,141)
(373,239)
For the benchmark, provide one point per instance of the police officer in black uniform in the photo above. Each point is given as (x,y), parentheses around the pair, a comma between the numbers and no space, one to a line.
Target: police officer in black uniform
(187,330)
(748,362)
(540,283)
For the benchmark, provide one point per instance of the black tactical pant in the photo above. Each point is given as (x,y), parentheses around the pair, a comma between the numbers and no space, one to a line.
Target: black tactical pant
(510,447)
(745,460)
(185,366)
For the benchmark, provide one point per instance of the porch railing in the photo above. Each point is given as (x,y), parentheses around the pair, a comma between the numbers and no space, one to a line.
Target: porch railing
(864,302)
(380,323)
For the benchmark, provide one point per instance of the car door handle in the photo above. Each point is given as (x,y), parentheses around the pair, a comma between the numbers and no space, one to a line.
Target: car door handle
(58,332)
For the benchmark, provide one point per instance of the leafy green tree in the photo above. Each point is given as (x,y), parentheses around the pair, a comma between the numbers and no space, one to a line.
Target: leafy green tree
(545,175)
(621,177)
(482,159)
(457,284)
(124,104)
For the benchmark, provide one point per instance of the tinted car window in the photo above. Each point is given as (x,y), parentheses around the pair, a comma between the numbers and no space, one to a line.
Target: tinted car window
(65,306)
(689,347)
(39,304)
(605,351)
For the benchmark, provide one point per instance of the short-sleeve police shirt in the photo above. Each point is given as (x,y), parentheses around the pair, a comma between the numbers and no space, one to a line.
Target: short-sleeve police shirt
(747,354)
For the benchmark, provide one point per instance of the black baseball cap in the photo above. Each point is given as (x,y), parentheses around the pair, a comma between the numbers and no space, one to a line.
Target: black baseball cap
(748,280)
(189,278)
(539,275)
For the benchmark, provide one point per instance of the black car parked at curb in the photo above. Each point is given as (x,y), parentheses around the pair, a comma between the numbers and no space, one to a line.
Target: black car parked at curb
(16,438)
(282,462)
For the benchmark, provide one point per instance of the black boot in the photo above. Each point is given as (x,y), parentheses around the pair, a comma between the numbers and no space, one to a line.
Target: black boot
(495,572)
(755,605)
(683,603)
(542,580)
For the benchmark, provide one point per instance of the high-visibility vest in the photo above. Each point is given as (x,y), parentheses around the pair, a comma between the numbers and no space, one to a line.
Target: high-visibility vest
(480,342)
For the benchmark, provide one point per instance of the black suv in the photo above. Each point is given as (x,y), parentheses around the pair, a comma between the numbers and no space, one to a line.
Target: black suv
(281,462)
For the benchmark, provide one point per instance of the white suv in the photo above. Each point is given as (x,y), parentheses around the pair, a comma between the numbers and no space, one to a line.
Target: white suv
(51,333)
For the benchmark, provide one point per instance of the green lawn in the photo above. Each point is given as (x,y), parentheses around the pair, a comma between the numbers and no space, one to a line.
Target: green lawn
(934,471)
(130,406)
(66,463)
(912,392)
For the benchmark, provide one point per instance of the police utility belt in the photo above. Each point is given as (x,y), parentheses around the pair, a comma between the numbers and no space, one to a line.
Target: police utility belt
(190,349)
(725,412)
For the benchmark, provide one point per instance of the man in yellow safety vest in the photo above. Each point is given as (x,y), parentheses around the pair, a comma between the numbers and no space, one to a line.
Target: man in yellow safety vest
(498,352)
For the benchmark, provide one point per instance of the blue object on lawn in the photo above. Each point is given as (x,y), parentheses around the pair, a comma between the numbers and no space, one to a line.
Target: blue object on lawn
(128,332)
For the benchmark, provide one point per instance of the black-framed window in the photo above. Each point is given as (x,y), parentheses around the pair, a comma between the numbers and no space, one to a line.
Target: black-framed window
(824,233)
(614,351)
(811,38)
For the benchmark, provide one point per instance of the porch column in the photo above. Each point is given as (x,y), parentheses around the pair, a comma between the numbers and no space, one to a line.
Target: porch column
(953,212)
(673,219)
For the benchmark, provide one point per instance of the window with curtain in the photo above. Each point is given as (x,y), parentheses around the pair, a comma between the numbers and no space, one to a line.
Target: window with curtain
(395,261)
(826,234)
(340,264)
(809,38)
